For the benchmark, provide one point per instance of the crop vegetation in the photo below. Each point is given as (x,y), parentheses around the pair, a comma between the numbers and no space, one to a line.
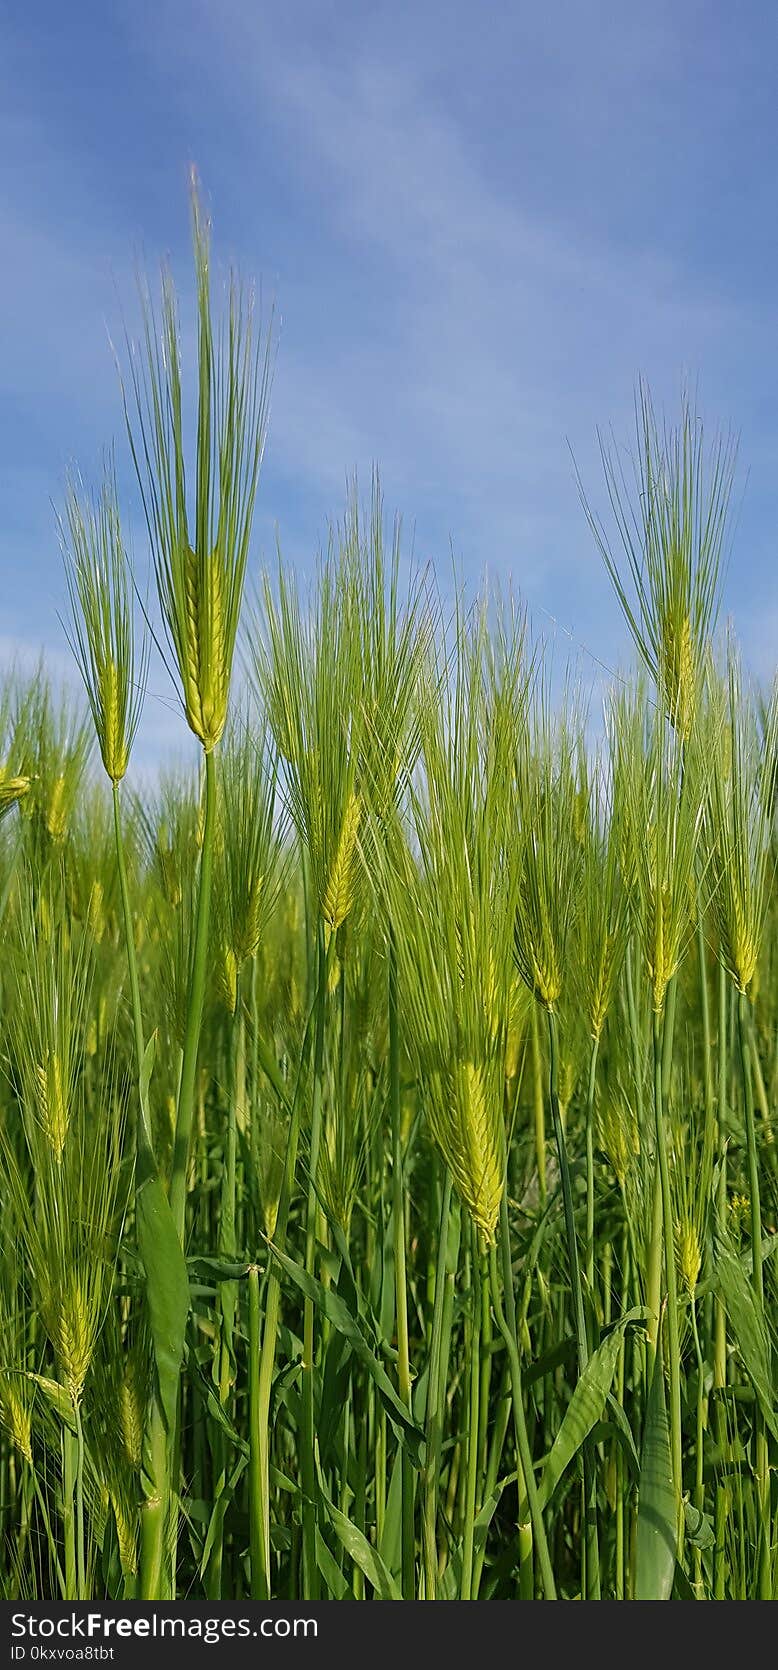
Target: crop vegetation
(387,1108)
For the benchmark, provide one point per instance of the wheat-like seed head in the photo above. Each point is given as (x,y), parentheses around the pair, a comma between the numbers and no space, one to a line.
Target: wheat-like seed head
(249,928)
(679,674)
(73,1332)
(617,1132)
(53,1101)
(126,1532)
(205,669)
(740,809)
(662,780)
(463,1123)
(483,1176)
(16,1414)
(688,1254)
(200,541)
(249,838)
(671,524)
(115,744)
(12,789)
(57,809)
(227,978)
(101,627)
(95,911)
(131,1414)
(339,891)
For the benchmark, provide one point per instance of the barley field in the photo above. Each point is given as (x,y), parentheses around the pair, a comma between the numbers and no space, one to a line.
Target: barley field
(386,1110)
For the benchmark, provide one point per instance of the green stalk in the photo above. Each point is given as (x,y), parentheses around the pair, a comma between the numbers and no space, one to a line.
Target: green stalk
(80,1547)
(671,1000)
(228,1250)
(129,934)
(400,1281)
(699,1486)
(579,1314)
(500,1422)
(473,1423)
(259,1436)
(257,1463)
(307,1457)
(705,1016)
(50,1538)
(654,1272)
(527,1484)
(620,1550)
(590,1094)
(433,1431)
(69,1471)
(539,1107)
(260,1505)
(676,1443)
(153,1580)
(592,1583)
(720,1314)
(196,1001)
(763,1105)
(762,1463)
(637,1063)
(487,1356)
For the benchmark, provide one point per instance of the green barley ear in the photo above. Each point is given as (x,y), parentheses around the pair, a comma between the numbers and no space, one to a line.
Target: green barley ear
(662,781)
(16,1389)
(602,917)
(307,669)
(12,789)
(16,1411)
(691,1169)
(617,1129)
(248,858)
(52,743)
(47,1021)
(69,1199)
(101,631)
(14,786)
(395,624)
(547,851)
(351,1117)
(740,807)
(200,538)
(443,884)
(671,524)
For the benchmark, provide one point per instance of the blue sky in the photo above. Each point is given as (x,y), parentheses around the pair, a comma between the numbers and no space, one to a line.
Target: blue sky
(479,226)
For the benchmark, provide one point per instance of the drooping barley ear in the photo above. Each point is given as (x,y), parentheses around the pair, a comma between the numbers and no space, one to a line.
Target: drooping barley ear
(16,1412)
(126,1528)
(12,789)
(200,545)
(101,630)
